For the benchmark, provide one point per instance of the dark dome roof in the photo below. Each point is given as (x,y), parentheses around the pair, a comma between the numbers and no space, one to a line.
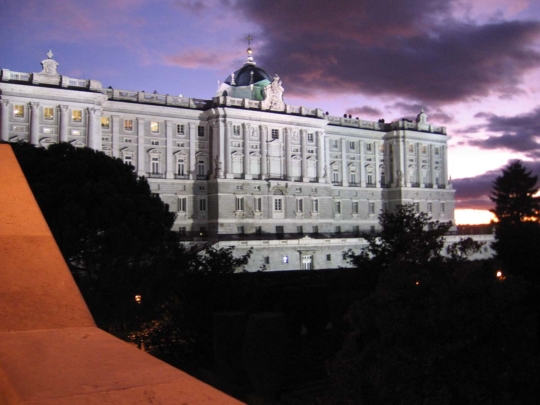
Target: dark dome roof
(242,77)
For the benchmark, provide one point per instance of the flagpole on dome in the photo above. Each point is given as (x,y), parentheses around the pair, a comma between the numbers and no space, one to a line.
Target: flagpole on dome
(249,51)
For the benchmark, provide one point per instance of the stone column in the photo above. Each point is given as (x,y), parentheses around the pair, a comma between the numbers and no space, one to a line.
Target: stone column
(288,169)
(64,120)
(192,129)
(115,133)
(377,164)
(220,138)
(141,161)
(320,156)
(93,135)
(432,165)
(444,168)
(419,164)
(327,167)
(344,174)
(228,158)
(247,169)
(403,161)
(263,135)
(303,140)
(169,166)
(4,115)
(362,165)
(34,123)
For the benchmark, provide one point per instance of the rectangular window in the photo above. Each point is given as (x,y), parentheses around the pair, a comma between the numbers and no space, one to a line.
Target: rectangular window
(335,177)
(313,189)
(275,134)
(258,230)
(315,229)
(315,205)
(328,257)
(202,188)
(257,188)
(337,229)
(344,256)
(429,208)
(239,203)
(154,127)
(202,204)
(279,230)
(240,187)
(385,207)
(443,208)
(310,138)
(155,165)
(310,150)
(182,204)
(416,207)
(236,130)
(371,208)
(105,122)
(128,125)
(353,178)
(258,204)
(200,131)
(437,151)
(335,144)
(298,189)
(369,147)
(181,167)
(424,150)
(75,132)
(300,229)
(240,229)
(267,260)
(299,205)
(76,115)
(155,143)
(356,230)
(278,204)
(337,206)
(18,110)
(128,160)
(355,207)
(182,230)
(411,148)
(285,259)
(180,129)
(352,146)
(370,178)
(48,113)
(201,168)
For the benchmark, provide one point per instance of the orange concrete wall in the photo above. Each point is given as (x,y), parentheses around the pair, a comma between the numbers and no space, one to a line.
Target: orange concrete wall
(51,352)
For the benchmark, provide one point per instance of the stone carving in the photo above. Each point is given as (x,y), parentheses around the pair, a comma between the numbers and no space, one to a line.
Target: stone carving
(49,65)
(274,96)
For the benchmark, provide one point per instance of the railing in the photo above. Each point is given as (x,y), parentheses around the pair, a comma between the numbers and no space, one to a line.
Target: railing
(202,177)
(372,185)
(155,175)
(337,183)
(181,176)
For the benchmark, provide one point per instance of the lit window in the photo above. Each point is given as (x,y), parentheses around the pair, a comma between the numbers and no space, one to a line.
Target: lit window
(47,130)
(182,204)
(75,132)
(285,259)
(105,122)
(154,127)
(18,110)
(76,115)
(200,131)
(128,125)
(180,129)
(239,203)
(48,113)
(275,134)
(202,204)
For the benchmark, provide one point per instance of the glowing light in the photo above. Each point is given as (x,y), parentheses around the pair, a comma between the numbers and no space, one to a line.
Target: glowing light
(473,217)
(138,299)
(500,275)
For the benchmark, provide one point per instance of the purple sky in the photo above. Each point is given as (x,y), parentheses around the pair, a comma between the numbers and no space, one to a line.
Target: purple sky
(473,65)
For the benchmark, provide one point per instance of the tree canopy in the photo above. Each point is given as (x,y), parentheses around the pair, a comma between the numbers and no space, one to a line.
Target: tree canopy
(518,229)
(513,195)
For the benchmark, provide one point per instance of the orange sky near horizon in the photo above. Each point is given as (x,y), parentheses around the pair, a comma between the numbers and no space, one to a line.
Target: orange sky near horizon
(473,217)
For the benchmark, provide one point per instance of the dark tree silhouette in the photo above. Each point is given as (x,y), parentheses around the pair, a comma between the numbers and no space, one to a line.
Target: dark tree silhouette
(518,231)
(513,193)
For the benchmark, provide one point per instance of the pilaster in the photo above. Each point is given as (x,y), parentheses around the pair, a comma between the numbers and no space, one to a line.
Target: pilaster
(4,116)
(169,166)
(320,156)
(228,158)
(192,129)
(64,120)
(34,123)
(247,172)
(303,140)
(344,171)
(263,135)
(115,131)
(141,161)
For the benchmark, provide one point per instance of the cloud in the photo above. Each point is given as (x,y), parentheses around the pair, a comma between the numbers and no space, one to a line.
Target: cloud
(363,111)
(415,49)
(519,133)
(196,58)
(474,192)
